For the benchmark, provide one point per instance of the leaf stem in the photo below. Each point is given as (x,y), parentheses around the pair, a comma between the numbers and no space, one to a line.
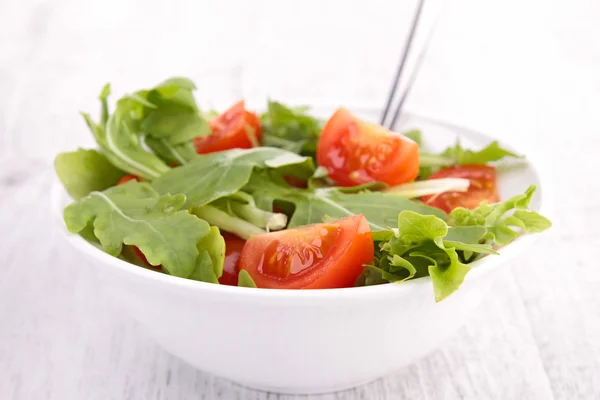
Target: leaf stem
(263,219)
(226,222)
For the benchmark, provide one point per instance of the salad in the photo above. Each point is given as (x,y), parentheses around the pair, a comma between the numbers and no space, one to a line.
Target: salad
(283,200)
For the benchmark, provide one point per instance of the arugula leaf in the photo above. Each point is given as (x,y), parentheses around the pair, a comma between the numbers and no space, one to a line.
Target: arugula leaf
(503,227)
(227,222)
(211,257)
(416,135)
(425,245)
(172,153)
(135,214)
(311,205)
(242,205)
(120,145)
(84,171)
(290,129)
(173,115)
(418,249)
(212,176)
(457,155)
(166,115)
(245,280)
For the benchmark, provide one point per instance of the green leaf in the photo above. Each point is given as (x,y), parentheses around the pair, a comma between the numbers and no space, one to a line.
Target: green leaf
(418,248)
(84,171)
(426,245)
(245,280)
(212,176)
(311,205)
(490,153)
(204,271)
(243,206)
(457,155)
(134,214)
(166,115)
(227,222)
(123,148)
(503,221)
(172,153)
(398,263)
(532,221)
(214,245)
(209,265)
(290,129)
(447,280)
(415,135)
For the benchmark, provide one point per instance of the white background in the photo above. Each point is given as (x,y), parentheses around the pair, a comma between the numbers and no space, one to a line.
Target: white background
(525,70)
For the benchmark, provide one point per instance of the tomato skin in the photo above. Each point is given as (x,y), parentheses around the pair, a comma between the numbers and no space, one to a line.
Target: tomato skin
(356,152)
(482,187)
(229,131)
(128,178)
(319,256)
(233,249)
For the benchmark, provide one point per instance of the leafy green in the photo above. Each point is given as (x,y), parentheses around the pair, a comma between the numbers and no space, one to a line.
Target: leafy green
(502,224)
(119,144)
(245,280)
(425,245)
(227,221)
(166,116)
(135,214)
(178,154)
(290,129)
(313,205)
(211,257)
(416,135)
(243,205)
(84,171)
(457,155)
(212,176)
(418,248)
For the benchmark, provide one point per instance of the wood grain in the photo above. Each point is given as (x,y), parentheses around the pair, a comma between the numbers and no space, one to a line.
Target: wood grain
(537,334)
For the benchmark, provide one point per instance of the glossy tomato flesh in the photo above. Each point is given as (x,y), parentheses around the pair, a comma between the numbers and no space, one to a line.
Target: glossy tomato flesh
(356,152)
(319,256)
(233,249)
(230,130)
(482,187)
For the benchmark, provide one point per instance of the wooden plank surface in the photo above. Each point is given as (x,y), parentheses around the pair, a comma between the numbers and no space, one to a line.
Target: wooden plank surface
(537,335)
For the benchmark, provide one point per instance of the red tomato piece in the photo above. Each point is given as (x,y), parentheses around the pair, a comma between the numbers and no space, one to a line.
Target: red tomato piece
(233,249)
(482,187)
(319,256)
(356,152)
(230,130)
(128,178)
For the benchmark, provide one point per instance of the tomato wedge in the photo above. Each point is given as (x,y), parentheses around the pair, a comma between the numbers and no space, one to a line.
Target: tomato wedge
(482,187)
(230,130)
(233,249)
(356,152)
(319,256)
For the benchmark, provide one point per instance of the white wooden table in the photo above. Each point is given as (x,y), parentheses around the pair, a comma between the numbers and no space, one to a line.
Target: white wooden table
(525,70)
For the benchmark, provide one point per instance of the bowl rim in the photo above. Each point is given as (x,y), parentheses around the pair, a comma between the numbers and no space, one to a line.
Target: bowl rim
(479,268)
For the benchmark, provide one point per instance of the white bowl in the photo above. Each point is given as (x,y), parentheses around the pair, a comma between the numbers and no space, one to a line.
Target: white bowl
(295,341)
